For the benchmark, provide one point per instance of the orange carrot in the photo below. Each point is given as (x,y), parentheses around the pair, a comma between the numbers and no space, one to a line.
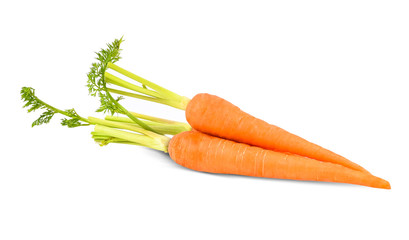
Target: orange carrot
(201,152)
(215,116)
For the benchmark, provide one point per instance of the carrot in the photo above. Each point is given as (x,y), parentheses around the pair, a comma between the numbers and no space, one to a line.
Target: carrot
(201,152)
(215,116)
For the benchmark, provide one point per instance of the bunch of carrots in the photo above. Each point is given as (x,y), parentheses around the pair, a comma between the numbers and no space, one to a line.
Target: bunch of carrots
(220,138)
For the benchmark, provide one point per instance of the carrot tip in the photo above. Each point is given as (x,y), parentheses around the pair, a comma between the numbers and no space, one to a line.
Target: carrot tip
(385,184)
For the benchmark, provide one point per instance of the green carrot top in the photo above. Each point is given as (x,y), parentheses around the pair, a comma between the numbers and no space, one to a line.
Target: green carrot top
(97,83)
(99,77)
(112,129)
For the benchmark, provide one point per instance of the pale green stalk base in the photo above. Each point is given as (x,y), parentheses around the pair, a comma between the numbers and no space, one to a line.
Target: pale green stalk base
(156,119)
(161,126)
(158,143)
(124,130)
(105,140)
(126,126)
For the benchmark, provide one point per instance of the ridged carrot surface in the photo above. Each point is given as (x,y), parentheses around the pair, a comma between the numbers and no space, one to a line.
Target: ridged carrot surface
(201,152)
(215,116)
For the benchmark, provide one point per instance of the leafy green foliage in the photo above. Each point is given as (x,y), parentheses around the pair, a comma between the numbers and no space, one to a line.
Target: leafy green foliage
(96,79)
(97,84)
(74,121)
(45,117)
(33,103)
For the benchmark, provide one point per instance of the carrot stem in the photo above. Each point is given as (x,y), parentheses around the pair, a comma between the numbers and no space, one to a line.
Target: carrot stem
(105,140)
(156,93)
(143,81)
(162,128)
(109,78)
(176,104)
(126,126)
(158,143)
(156,119)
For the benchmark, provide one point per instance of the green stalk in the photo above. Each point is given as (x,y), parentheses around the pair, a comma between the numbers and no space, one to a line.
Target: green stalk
(125,111)
(109,78)
(155,119)
(179,105)
(162,128)
(165,92)
(125,126)
(147,141)
(170,129)
(164,96)
(105,140)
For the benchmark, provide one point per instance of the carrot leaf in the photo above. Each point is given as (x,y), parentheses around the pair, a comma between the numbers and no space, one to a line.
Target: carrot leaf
(33,103)
(97,82)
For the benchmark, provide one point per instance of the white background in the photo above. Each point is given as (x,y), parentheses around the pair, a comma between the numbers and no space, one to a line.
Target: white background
(333,73)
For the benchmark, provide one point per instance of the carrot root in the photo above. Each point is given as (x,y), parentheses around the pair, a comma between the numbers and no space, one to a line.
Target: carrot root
(201,152)
(217,117)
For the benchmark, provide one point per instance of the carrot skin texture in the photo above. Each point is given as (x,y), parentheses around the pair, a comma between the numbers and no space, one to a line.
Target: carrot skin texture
(217,117)
(202,152)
